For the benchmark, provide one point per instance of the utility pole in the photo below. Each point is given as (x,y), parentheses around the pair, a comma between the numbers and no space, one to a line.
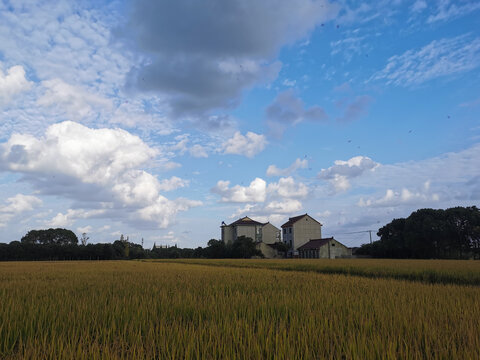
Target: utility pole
(370,232)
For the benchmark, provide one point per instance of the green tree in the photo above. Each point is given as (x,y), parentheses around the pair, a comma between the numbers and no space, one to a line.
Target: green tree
(216,249)
(244,247)
(51,236)
(429,233)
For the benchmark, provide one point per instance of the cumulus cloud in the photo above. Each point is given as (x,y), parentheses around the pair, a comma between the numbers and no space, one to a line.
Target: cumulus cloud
(17,205)
(273,170)
(248,145)
(289,110)
(226,47)
(439,58)
(255,192)
(67,219)
(12,83)
(283,207)
(98,166)
(272,202)
(339,175)
(172,184)
(288,188)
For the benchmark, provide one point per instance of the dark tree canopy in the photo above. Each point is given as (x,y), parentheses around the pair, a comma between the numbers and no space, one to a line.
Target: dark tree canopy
(244,248)
(62,244)
(51,236)
(429,233)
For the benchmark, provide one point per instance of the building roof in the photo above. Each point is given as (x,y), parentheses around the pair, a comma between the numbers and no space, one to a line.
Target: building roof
(245,221)
(315,243)
(294,219)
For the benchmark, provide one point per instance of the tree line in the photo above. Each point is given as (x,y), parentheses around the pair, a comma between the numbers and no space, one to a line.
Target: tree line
(453,233)
(63,244)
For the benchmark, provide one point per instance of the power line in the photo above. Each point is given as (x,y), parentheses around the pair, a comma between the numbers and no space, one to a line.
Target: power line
(359,232)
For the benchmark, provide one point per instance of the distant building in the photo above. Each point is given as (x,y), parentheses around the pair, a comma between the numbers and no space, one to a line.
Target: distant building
(265,235)
(155,246)
(327,248)
(299,230)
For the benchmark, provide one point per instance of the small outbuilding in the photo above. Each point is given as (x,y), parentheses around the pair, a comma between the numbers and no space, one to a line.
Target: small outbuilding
(327,248)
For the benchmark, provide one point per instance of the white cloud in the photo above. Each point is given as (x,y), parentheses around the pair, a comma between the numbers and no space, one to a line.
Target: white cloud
(172,184)
(283,207)
(447,11)
(273,202)
(162,211)
(12,83)
(84,229)
(96,166)
(248,145)
(198,151)
(287,188)
(418,6)
(350,46)
(454,176)
(73,100)
(289,83)
(79,72)
(393,198)
(340,173)
(182,146)
(68,219)
(255,192)
(17,205)
(273,170)
(439,58)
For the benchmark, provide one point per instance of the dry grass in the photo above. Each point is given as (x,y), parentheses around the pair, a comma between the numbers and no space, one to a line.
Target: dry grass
(145,310)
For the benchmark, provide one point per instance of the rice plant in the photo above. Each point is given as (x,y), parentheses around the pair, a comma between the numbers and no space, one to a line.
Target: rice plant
(152,310)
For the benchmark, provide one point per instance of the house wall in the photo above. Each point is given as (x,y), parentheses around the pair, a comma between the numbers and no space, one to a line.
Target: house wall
(304,230)
(268,251)
(270,234)
(338,250)
(227,234)
(287,235)
(248,231)
(335,250)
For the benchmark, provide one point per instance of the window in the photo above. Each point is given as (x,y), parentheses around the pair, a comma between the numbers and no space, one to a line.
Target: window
(284,231)
(333,244)
(289,230)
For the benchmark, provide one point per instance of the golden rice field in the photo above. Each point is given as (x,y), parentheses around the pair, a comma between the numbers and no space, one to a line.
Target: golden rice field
(171,310)
(431,271)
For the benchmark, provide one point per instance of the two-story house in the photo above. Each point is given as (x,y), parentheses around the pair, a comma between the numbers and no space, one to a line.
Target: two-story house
(299,230)
(264,234)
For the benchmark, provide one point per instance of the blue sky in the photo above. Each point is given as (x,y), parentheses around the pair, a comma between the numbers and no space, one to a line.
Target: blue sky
(160,120)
